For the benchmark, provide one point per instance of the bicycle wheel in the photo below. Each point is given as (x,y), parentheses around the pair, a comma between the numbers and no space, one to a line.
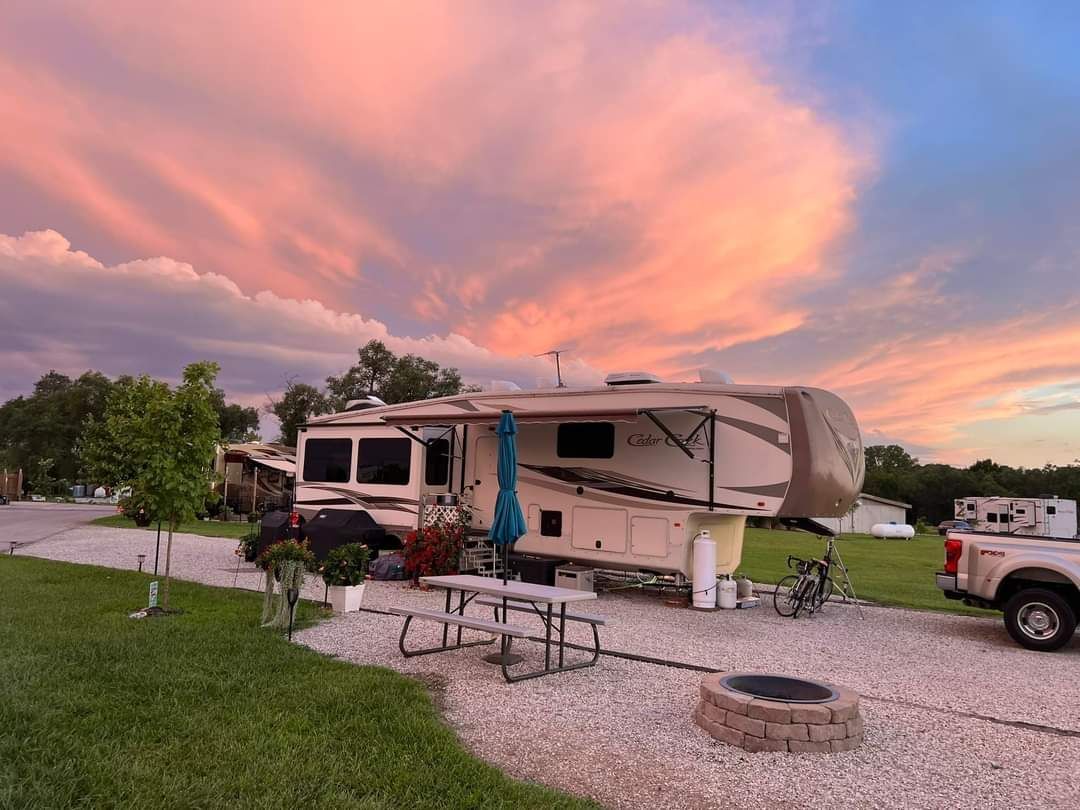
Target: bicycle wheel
(803,595)
(784,597)
(823,593)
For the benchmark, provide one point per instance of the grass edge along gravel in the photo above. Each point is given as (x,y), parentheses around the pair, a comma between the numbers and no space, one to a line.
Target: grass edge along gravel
(204,528)
(207,709)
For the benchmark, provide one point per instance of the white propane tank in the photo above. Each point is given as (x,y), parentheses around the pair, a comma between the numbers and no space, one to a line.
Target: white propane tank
(728,594)
(704,571)
(892,531)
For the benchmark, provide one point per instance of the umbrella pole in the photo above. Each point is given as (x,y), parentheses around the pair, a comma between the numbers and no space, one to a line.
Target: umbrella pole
(501,657)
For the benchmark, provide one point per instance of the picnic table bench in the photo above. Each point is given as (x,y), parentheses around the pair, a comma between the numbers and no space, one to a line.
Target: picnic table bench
(510,596)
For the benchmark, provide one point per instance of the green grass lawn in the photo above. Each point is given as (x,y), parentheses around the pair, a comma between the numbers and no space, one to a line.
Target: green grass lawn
(207,528)
(205,709)
(892,572)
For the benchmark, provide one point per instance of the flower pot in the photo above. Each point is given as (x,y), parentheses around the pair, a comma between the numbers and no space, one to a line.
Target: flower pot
(346,598)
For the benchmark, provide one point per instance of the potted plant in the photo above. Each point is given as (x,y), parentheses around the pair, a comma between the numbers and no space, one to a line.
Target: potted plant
(248,547)
(344,571)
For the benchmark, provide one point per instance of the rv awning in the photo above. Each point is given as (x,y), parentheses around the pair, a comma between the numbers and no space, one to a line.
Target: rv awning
(275,464)
(525,417)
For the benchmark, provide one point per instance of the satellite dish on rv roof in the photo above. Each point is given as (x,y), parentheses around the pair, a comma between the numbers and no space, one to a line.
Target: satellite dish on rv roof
(711,375)
(370,401)
(631,378)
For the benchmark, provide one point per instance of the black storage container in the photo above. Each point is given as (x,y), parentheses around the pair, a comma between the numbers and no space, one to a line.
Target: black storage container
(537,570)
(331,528)
(274,528)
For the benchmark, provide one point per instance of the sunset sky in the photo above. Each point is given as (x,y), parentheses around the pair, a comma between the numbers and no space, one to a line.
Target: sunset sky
(882,199)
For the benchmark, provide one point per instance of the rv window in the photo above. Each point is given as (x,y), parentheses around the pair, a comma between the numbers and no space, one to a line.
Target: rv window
(327,460)
(586,440)
(437,466)
(971,507)
(1021,511)
(1003,517)
(991,517)
(1051,510)
(383,461)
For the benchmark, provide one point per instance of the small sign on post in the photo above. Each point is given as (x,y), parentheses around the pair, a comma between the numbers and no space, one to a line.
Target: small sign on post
(153,594)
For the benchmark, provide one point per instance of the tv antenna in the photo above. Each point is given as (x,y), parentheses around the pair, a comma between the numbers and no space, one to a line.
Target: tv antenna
(558,369)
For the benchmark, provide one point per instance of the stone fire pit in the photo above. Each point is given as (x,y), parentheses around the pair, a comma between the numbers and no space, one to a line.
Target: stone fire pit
(760,712)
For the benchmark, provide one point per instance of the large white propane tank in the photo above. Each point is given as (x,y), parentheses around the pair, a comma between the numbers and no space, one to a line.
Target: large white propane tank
(704,580)
(727,594)
(892,531)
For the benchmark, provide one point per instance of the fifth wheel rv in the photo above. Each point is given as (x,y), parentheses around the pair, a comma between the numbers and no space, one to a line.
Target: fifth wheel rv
(622,476)
(1045,516)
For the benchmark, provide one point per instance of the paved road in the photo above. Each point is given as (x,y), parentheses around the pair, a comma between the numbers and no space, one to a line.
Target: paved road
(26,522)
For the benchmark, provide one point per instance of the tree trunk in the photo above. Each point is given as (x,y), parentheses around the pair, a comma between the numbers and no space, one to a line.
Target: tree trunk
(168,559)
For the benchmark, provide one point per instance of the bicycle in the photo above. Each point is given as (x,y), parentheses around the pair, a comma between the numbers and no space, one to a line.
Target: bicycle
(809,589)
(813,584)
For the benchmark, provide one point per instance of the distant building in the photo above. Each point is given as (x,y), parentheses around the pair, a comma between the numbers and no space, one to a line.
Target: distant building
(871,510)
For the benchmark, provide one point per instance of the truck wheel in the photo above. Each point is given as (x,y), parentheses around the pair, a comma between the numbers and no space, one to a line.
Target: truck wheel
(1039,619)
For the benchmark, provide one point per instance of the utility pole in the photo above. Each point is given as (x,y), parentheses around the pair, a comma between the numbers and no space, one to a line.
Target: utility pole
(558,369)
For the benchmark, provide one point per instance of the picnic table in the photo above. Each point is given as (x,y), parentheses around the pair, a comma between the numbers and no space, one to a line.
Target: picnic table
(545,601)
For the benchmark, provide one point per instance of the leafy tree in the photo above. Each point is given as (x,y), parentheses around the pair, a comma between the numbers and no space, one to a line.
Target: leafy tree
(891,458)
(237,423)
(391,378)
(299,403)
(162,444)
(109,450)
(48,423)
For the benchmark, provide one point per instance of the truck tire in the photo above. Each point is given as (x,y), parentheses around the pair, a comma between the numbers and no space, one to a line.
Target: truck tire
(1039,619)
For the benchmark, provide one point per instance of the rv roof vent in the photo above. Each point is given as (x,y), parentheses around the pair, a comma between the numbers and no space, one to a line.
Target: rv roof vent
(711,375)
(370,401)
(631,378)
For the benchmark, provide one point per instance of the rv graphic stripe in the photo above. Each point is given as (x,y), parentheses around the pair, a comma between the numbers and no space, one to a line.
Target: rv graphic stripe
(595,479)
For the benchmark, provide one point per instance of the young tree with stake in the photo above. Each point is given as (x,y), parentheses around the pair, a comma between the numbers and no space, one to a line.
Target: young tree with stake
(162,442)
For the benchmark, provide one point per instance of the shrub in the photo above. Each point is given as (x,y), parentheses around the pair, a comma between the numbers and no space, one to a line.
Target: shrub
(346,565)
(285,551)
(433,551)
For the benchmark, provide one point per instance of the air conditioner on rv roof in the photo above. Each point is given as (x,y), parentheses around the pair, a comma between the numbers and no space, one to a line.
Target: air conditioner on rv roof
(631,378)
(370,401)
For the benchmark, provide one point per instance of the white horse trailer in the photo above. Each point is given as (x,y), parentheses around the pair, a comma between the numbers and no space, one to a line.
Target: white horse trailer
(615,477)
(1044,516)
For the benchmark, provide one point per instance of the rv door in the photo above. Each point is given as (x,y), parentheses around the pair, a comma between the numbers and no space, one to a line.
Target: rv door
(485,480)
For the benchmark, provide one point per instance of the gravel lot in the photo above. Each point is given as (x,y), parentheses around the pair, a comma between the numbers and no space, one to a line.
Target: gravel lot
(939,694)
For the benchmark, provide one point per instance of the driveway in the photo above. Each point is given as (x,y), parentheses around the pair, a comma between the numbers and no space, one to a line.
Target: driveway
(25,522)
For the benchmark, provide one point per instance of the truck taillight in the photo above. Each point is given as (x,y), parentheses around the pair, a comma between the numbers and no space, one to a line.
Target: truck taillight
(294,519)
(953,549)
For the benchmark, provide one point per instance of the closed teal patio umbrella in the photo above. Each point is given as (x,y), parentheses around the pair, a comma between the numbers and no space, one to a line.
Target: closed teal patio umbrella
(508,523)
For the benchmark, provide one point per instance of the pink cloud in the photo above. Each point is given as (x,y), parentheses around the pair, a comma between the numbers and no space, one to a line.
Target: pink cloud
(290,147)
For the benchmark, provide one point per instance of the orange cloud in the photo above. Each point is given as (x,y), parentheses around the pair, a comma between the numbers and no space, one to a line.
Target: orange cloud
(929,388)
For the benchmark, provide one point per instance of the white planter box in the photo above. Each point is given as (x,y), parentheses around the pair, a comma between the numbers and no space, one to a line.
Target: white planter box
(346,598)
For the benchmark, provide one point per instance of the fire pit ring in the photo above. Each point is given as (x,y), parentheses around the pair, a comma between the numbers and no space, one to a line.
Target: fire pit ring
(766,712)
(780,687)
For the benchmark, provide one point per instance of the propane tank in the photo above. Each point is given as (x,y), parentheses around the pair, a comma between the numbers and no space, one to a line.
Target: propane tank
(704,571)
(727,593)
(892,531)
(745,586)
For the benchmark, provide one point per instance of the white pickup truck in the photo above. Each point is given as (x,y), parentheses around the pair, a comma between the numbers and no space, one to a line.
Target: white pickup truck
(1035,580)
